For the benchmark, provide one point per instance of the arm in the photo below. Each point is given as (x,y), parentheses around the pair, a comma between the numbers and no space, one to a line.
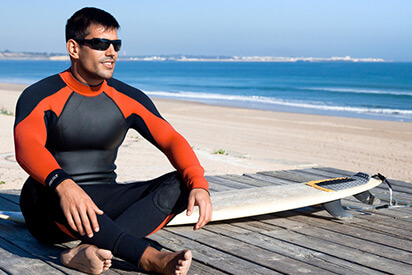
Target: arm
(143,116)
(182,157)
(30,136)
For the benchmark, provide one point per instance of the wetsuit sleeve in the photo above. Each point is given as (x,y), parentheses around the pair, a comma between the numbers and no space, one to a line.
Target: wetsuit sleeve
(30,136)
(142,115)
(179,153)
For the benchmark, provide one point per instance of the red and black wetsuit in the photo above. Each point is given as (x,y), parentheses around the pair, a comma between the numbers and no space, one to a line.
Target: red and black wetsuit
(65,129)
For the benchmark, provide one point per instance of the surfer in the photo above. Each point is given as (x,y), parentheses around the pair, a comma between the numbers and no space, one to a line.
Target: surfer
(68,129)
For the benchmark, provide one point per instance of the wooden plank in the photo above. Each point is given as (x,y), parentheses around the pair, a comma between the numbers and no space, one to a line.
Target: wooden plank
(11,195)
(208,255)
(7,205)
(227,183)
(267,178)
(19,236)
(292,221)
(309,226)
(248,251)
(387,228)
(311,252)
(246,180)
(378,225)
(15,235)
(261,176)
(296,256)
(14,260)
(11,191)
(364,259)
(215,187)
(199,268)
(289,175)
(358,208)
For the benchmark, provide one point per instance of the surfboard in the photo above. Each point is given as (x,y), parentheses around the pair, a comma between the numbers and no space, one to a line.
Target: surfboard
(12,216)
(271,199)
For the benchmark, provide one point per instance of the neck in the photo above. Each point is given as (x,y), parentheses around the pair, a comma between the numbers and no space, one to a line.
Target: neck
(81,88)
(83,76)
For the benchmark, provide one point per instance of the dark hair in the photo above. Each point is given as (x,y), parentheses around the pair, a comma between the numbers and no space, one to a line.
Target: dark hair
(77,26)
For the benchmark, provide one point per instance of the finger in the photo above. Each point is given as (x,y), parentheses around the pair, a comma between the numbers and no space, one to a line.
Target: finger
(202,215)
(210,212)
(207,210)
(208,217)
(97,210)
(77,221)
(190,205)
(86,223)
(70,221)
(93,218)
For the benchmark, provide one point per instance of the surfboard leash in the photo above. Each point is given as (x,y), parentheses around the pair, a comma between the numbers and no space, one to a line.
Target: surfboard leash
(391,197)
(385,180)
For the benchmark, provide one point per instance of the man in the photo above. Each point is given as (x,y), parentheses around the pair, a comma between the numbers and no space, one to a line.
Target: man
(67,133)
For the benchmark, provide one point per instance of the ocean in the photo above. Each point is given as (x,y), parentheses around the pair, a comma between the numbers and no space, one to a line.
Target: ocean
(381,91)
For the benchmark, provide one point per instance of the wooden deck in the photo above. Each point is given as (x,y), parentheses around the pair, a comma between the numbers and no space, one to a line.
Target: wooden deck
(306,240)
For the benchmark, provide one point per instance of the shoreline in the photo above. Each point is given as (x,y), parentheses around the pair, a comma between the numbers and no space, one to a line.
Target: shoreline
(262,106)
(252,140)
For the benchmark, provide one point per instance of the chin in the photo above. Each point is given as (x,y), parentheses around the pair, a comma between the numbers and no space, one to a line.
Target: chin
(106,75)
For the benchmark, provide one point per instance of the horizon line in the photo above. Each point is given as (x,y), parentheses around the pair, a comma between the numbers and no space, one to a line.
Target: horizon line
(10,55)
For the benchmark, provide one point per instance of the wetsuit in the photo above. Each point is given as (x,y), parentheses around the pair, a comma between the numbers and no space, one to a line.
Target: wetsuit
(65,129)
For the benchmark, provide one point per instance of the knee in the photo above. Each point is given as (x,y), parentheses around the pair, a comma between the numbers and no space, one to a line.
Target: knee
(171,196)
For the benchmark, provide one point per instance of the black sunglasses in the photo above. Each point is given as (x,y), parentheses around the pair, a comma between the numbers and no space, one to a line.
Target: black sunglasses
(101,44)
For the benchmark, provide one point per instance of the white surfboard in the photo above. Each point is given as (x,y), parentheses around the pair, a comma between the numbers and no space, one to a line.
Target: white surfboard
(264,200)
(12,216)
(270,199)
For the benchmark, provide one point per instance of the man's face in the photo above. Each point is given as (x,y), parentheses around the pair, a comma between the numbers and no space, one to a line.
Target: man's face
(96,65)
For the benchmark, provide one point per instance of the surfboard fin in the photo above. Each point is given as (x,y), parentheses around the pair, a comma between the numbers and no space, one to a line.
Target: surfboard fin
(368,198)
(336,209)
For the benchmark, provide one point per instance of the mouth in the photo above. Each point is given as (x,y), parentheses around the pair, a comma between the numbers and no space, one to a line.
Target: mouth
(109,64)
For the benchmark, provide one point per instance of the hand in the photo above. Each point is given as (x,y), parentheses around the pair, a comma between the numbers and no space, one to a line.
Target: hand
(200,197)
(78,208)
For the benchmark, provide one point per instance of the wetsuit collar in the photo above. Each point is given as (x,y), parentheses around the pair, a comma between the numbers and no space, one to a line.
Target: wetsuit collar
(81,88)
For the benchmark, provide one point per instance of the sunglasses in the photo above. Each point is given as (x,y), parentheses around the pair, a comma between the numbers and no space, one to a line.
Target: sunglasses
(101,44)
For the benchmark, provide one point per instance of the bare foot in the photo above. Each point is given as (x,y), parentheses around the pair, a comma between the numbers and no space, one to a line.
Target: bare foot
(87,258)
(168,263)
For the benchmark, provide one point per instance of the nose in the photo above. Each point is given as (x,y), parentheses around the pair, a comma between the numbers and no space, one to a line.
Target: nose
(110,51)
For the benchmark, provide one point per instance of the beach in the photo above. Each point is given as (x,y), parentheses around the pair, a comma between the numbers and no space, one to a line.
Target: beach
(236,141)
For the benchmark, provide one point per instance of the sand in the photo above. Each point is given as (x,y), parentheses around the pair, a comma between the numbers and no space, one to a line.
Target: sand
(252,141)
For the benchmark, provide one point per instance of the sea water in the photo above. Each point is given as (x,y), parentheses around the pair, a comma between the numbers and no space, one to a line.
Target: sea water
(380,91)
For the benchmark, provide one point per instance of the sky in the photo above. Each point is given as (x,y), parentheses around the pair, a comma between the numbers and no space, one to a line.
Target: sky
(299,28)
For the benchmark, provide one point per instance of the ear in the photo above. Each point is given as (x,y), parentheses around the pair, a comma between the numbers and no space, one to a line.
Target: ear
(73,48)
